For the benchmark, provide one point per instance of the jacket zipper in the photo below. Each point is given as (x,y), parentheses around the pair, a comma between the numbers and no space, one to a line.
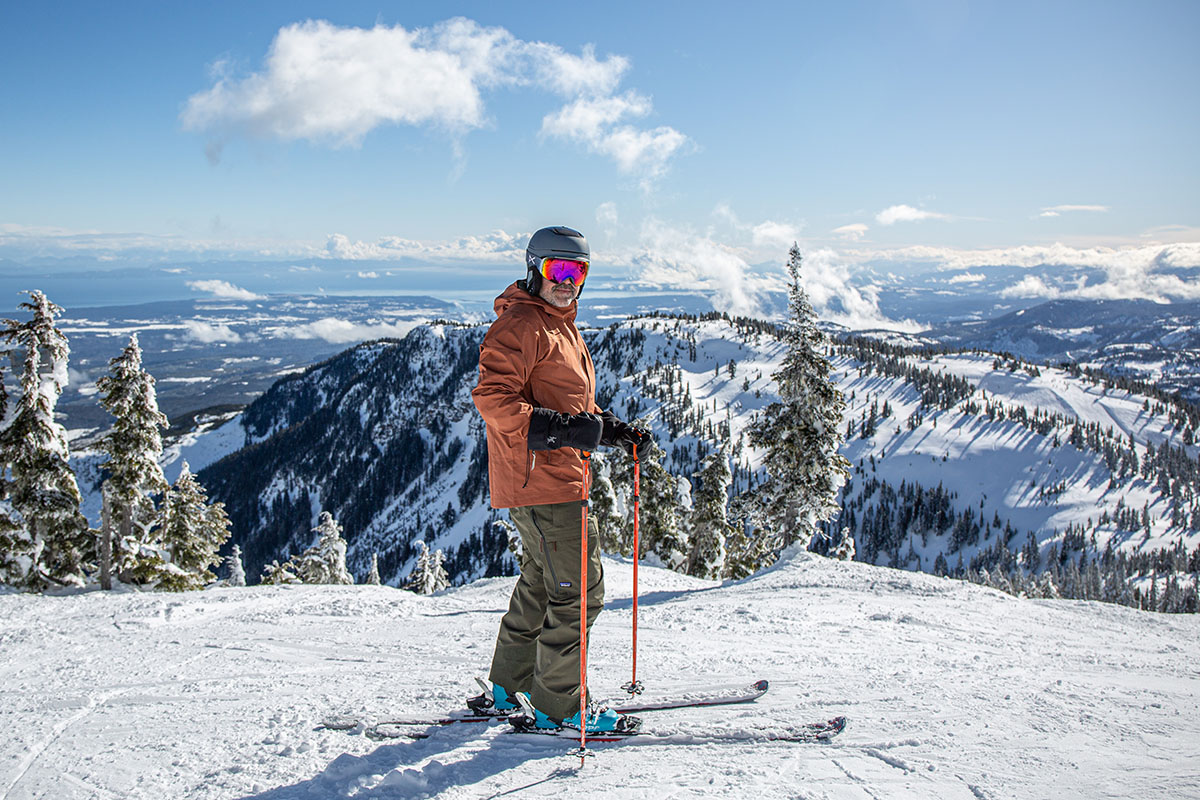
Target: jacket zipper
(530,462)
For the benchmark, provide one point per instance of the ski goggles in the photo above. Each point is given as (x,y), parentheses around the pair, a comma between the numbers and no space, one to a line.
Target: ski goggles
(560,269)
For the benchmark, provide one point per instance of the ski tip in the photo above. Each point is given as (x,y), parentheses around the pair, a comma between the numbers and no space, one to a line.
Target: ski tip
(339,723)
(833,728)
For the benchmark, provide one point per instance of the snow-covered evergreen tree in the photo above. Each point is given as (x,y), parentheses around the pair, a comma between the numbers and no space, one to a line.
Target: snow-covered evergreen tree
(134,448)
(373,578)
(710,518)
(602,504)
(277,573)
(511,534)
(325,562)
(12,534)
(661,528)
(429,575)
(801,433)
(237,572)
(54,545)
(189,537)
(845,549)
(746,552)
(617,535)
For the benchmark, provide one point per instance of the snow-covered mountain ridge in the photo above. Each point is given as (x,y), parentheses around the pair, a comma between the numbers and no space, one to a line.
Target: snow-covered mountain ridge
(1156,342)
(953,691)
(386,437)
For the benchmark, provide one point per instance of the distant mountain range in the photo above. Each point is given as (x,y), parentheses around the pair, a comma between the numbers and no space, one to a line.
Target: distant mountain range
(960,460)
(1150,341)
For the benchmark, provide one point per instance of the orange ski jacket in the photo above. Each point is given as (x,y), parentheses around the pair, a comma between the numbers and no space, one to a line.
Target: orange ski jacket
(532,357)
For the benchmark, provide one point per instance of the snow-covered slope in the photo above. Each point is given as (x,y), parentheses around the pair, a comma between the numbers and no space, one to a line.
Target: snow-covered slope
(953,691)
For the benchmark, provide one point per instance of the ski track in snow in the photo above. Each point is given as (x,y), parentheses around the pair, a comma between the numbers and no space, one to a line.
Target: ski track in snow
(952,690)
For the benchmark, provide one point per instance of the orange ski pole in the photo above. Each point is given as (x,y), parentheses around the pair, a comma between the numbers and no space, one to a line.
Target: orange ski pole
(583,591)
(635,686)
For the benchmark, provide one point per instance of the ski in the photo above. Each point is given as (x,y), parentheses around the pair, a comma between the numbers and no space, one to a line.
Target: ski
(812,733)
(349,723)
(729,695)
(394,728)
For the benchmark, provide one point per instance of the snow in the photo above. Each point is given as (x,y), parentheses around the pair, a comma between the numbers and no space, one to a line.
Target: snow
(213,439)
(952,690)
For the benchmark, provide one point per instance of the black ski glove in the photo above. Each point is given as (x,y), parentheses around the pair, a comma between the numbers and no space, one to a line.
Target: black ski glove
(622,434)
(549,430)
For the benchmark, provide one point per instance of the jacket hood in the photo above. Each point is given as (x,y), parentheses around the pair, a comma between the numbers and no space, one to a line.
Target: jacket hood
(516,294)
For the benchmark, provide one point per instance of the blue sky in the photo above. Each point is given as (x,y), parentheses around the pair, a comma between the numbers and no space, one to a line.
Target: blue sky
(686,139)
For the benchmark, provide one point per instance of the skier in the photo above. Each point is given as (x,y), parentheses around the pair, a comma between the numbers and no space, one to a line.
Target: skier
(536,392)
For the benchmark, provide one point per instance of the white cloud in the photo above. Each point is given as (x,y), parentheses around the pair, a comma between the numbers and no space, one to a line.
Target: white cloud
(497,247)
(1054,211)
(825,276)
(368,275)
(1143,272)
(675,257)
(594,122)
(852,232)
(209,333)
(967,277)
(775,234)
(1031,286)
(769,238)
(606,216)
(902,213)
(325,83)
(224,289)
(340,331)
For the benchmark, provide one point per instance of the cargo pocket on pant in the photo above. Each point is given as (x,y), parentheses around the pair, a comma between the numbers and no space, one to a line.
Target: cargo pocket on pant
(561,588)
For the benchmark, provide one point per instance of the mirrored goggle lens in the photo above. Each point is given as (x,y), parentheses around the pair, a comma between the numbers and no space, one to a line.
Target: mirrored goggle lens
(559,269)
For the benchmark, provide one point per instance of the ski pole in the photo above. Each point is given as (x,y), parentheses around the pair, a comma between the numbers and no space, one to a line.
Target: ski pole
(634,686)
(583,590)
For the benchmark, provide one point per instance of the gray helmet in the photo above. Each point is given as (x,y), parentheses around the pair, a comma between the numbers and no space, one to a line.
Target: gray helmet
(557,242)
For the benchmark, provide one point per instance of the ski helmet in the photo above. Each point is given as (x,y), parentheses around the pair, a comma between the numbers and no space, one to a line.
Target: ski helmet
(556,242)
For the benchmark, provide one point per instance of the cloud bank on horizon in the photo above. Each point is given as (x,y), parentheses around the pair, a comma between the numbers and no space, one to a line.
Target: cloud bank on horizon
(334,85)
(740,264)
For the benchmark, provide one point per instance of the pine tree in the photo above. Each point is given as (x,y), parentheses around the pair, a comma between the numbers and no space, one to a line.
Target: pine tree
(189,537)
(509,533)
(325,562)
(276,573)
(237,572)
(12,533)
(373,578)
(54,545)
(801,433)
(845,550)
(429,575)
(602,504)
(739,559)
(661,528)
(617,535)
(710,519)
(134,448)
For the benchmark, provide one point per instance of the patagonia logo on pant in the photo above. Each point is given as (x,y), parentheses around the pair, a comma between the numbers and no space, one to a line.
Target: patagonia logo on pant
(564,584)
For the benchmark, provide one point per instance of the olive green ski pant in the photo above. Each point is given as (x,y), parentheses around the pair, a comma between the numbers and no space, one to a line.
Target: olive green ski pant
(537,649)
